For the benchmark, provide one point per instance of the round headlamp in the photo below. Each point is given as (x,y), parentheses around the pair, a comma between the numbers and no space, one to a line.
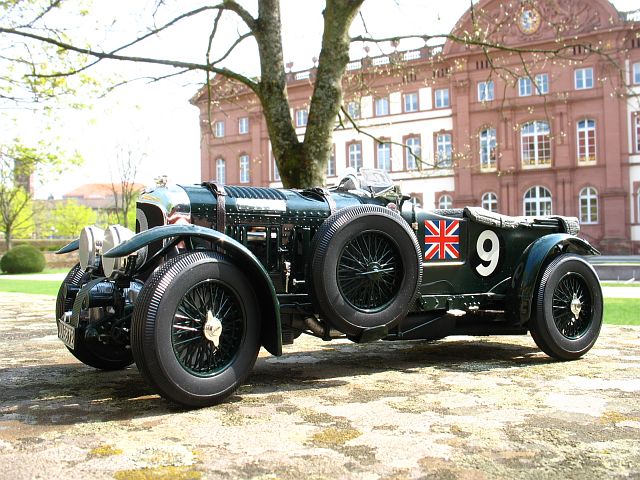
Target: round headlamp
(91,239)
(114,236)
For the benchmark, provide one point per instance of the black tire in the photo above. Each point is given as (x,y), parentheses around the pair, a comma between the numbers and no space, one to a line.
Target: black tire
(177,313)
(568,315)
(96,355)
(366,268)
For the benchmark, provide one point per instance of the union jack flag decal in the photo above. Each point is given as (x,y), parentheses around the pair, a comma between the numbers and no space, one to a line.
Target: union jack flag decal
(441,239)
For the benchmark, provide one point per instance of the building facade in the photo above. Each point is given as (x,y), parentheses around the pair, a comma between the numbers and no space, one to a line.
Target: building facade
(550,124)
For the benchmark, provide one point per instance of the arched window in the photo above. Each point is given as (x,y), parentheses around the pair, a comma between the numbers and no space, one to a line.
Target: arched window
(535,140)
(537,201)
(221,171)
(445,201)
(488,148)
(245,176)
(490,202)
(589,205)
(586,137)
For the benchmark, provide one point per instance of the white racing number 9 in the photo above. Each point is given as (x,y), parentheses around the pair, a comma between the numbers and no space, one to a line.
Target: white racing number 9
(492,255)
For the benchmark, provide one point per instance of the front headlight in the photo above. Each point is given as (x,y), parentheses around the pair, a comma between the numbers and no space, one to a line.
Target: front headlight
(91,239)
(114,236)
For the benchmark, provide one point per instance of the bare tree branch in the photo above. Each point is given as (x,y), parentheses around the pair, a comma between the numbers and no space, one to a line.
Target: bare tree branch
(136,59)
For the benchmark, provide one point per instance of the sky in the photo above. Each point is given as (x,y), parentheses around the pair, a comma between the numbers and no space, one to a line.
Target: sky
(156,119)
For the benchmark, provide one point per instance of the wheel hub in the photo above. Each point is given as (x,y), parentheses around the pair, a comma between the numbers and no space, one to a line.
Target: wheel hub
(374,270)
(212,328)
(576,306)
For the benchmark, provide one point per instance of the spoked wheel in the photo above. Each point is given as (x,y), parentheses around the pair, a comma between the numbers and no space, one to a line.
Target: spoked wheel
(569,308)
(572,306)
(92,353)
(370,271)
(207,328)
(196,330)
(365,269)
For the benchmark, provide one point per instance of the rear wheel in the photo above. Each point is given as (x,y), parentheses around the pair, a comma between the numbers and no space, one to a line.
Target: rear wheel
(92,353)
(568,314)
(196,330)
(365,269)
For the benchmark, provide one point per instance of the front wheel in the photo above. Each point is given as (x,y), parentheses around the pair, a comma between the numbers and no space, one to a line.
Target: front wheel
(569,308)
(196,330)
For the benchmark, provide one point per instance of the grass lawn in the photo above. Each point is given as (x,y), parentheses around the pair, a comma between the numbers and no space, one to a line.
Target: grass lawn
(46,270)
(617,311)
(622,311)
(44,287)
(620,284)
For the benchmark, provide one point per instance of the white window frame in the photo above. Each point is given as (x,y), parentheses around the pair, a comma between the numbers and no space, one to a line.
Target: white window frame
(441,96)
(488,148)
(276,172)
(221,170)
(525,87)
(583,78)
(244,168)
(490,201)
(583,128)
(538,134)
(540,200)
(445,202)
(635,73)
(486,91)
(218,129)
(331,164)
(636,128)
(381,106)
(383,152)
(541,83)
(413,151)
(355,155)
(410,102)
(243,125)
(588,198)
(444,150)
(302,117)
(353,109)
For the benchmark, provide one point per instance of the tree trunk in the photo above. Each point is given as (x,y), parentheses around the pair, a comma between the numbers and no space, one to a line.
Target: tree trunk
(303,165)
(327,94)
(272,90)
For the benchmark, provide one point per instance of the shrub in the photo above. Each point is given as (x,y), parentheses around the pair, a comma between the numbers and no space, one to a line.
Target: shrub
(23,259)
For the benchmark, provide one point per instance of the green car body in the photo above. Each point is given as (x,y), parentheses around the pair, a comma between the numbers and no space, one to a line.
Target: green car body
(360,261)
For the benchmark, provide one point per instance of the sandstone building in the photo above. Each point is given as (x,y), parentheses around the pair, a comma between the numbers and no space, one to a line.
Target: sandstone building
(548,125)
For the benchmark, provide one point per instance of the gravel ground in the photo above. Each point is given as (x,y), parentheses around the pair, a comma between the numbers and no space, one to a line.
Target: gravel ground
(469,408)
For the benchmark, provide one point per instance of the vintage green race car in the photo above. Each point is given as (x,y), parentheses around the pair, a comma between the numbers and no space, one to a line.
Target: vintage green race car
(215,272)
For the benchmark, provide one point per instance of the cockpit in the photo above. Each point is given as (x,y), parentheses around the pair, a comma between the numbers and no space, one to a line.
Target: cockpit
(368,181)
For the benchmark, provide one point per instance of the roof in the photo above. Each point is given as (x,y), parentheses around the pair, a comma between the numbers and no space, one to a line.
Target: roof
(97,195)
(97,190)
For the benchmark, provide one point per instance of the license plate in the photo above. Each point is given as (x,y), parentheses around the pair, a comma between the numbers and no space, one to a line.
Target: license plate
(67,334)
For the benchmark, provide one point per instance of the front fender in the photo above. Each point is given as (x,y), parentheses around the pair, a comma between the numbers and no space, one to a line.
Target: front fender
(70,247)
(537,255)
(265,292)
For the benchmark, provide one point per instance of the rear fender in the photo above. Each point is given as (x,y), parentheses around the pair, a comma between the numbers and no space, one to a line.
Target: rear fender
(241,255)
(527,274)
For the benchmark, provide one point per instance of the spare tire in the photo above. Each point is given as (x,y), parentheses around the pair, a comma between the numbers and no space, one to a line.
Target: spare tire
(366,268)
